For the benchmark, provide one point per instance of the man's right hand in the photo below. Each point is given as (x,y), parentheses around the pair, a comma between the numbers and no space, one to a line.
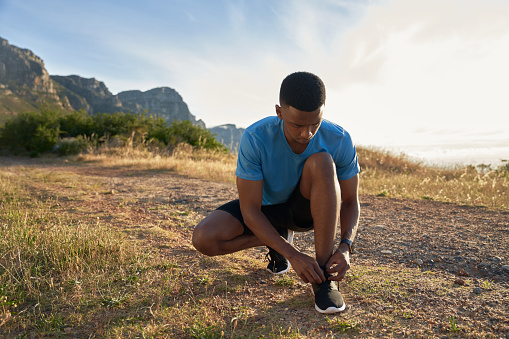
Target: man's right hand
(307,268)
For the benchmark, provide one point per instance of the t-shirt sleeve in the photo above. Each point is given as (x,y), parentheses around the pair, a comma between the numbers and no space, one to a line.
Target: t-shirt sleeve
(249,165)
(347,164)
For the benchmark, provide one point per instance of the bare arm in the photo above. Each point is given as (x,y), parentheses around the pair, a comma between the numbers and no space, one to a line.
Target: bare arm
(250,197)
(339,263)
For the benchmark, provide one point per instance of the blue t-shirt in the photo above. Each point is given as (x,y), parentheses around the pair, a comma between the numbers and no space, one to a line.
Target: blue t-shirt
(265,154)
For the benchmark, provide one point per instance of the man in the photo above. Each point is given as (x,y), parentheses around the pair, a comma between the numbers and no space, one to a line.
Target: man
(295,172)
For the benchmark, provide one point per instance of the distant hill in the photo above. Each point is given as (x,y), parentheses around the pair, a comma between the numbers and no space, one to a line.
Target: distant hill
(229,135)
(25,85)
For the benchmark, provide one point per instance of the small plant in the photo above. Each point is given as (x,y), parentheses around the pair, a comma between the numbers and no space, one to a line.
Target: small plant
(486,285)
(383,193)
(343,326)
(452,321)
(285,281)
(407,315)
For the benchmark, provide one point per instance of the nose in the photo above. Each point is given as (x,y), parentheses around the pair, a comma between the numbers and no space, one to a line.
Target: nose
(306,133)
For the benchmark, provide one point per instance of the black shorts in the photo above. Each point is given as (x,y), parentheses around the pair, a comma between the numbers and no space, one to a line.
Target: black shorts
(295,214)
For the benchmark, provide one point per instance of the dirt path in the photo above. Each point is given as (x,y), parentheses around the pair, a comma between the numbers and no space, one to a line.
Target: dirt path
(461,252)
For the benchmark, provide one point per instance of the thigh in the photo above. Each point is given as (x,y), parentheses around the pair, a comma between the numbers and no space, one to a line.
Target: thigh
(219,225)
(278,215)
(233,208)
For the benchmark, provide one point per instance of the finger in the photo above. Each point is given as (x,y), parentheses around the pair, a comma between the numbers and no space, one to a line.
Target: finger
(331,262)
(314,278)
(304,278)
(321,274)
(335,269)
(341,273)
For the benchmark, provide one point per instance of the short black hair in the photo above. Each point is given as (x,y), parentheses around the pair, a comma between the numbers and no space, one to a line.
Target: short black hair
(303,91)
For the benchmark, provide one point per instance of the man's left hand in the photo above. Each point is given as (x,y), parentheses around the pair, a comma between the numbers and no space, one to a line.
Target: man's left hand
(339,263)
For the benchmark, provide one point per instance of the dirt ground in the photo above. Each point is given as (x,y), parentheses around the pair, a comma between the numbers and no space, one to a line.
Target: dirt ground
(465,247)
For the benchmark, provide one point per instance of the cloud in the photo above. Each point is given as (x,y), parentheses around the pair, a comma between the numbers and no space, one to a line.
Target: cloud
(409,64)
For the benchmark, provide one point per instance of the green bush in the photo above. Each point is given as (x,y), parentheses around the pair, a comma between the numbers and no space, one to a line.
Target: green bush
(70,146)
(47,130)
(186,132)
(31,132)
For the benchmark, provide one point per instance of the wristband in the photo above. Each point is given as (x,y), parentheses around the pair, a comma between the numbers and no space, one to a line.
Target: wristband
(349,243)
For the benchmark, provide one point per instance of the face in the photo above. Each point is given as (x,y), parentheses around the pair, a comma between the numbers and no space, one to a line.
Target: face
(299,126)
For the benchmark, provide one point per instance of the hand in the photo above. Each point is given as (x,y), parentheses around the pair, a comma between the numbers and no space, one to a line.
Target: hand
(307,268)
(339,263)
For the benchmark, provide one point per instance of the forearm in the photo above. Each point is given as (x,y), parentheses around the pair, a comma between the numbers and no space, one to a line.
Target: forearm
(349,219)
(263,230)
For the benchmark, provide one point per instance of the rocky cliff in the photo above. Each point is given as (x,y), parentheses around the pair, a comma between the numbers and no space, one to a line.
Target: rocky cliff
(162,101)
(24,82)
(26,85)
(94,97)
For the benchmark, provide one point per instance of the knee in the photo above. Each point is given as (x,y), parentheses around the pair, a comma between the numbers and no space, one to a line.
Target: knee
(201,240)
(320,163)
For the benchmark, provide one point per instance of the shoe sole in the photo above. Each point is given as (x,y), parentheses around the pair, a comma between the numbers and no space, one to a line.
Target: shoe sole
(290,240)
(331,309)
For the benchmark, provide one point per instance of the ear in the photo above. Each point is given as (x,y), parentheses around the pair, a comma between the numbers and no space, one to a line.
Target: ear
(279,112)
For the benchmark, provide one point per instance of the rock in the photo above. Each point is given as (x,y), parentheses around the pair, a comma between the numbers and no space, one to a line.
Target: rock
(386,251)
(477,290)
(418,262)
(505,268)
(459,282)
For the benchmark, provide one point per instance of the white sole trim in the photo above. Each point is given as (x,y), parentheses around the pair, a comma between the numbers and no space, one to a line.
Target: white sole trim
(331,309)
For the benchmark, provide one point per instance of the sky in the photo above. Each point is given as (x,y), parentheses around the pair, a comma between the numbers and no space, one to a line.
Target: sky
(425,77)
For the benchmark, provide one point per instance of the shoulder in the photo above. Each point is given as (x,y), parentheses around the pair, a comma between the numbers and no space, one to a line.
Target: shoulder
(331,129)
(264,124)
(263,129)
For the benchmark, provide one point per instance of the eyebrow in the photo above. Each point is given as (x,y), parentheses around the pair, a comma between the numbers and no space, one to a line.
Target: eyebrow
(299,125)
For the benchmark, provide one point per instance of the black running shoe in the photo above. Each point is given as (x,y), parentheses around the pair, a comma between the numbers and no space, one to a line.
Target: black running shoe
(278,264)
(328,299)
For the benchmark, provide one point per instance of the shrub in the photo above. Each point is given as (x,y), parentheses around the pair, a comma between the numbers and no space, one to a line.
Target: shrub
(38,132)
(31,132)
(196,136)
(70,146)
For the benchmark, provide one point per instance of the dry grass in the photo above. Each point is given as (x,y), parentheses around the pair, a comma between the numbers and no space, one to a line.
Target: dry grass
(385,174)
(382,173)
(75,265)
(184,160)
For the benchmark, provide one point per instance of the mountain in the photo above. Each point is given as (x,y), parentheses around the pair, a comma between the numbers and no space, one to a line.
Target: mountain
(24,82)
(229,135)
(94,97)
(25,85)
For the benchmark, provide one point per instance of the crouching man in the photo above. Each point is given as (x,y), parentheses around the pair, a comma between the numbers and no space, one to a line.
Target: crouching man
(296,172)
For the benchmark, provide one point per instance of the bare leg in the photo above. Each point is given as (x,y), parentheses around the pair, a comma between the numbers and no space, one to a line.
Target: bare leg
(221,233)
(320,185)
